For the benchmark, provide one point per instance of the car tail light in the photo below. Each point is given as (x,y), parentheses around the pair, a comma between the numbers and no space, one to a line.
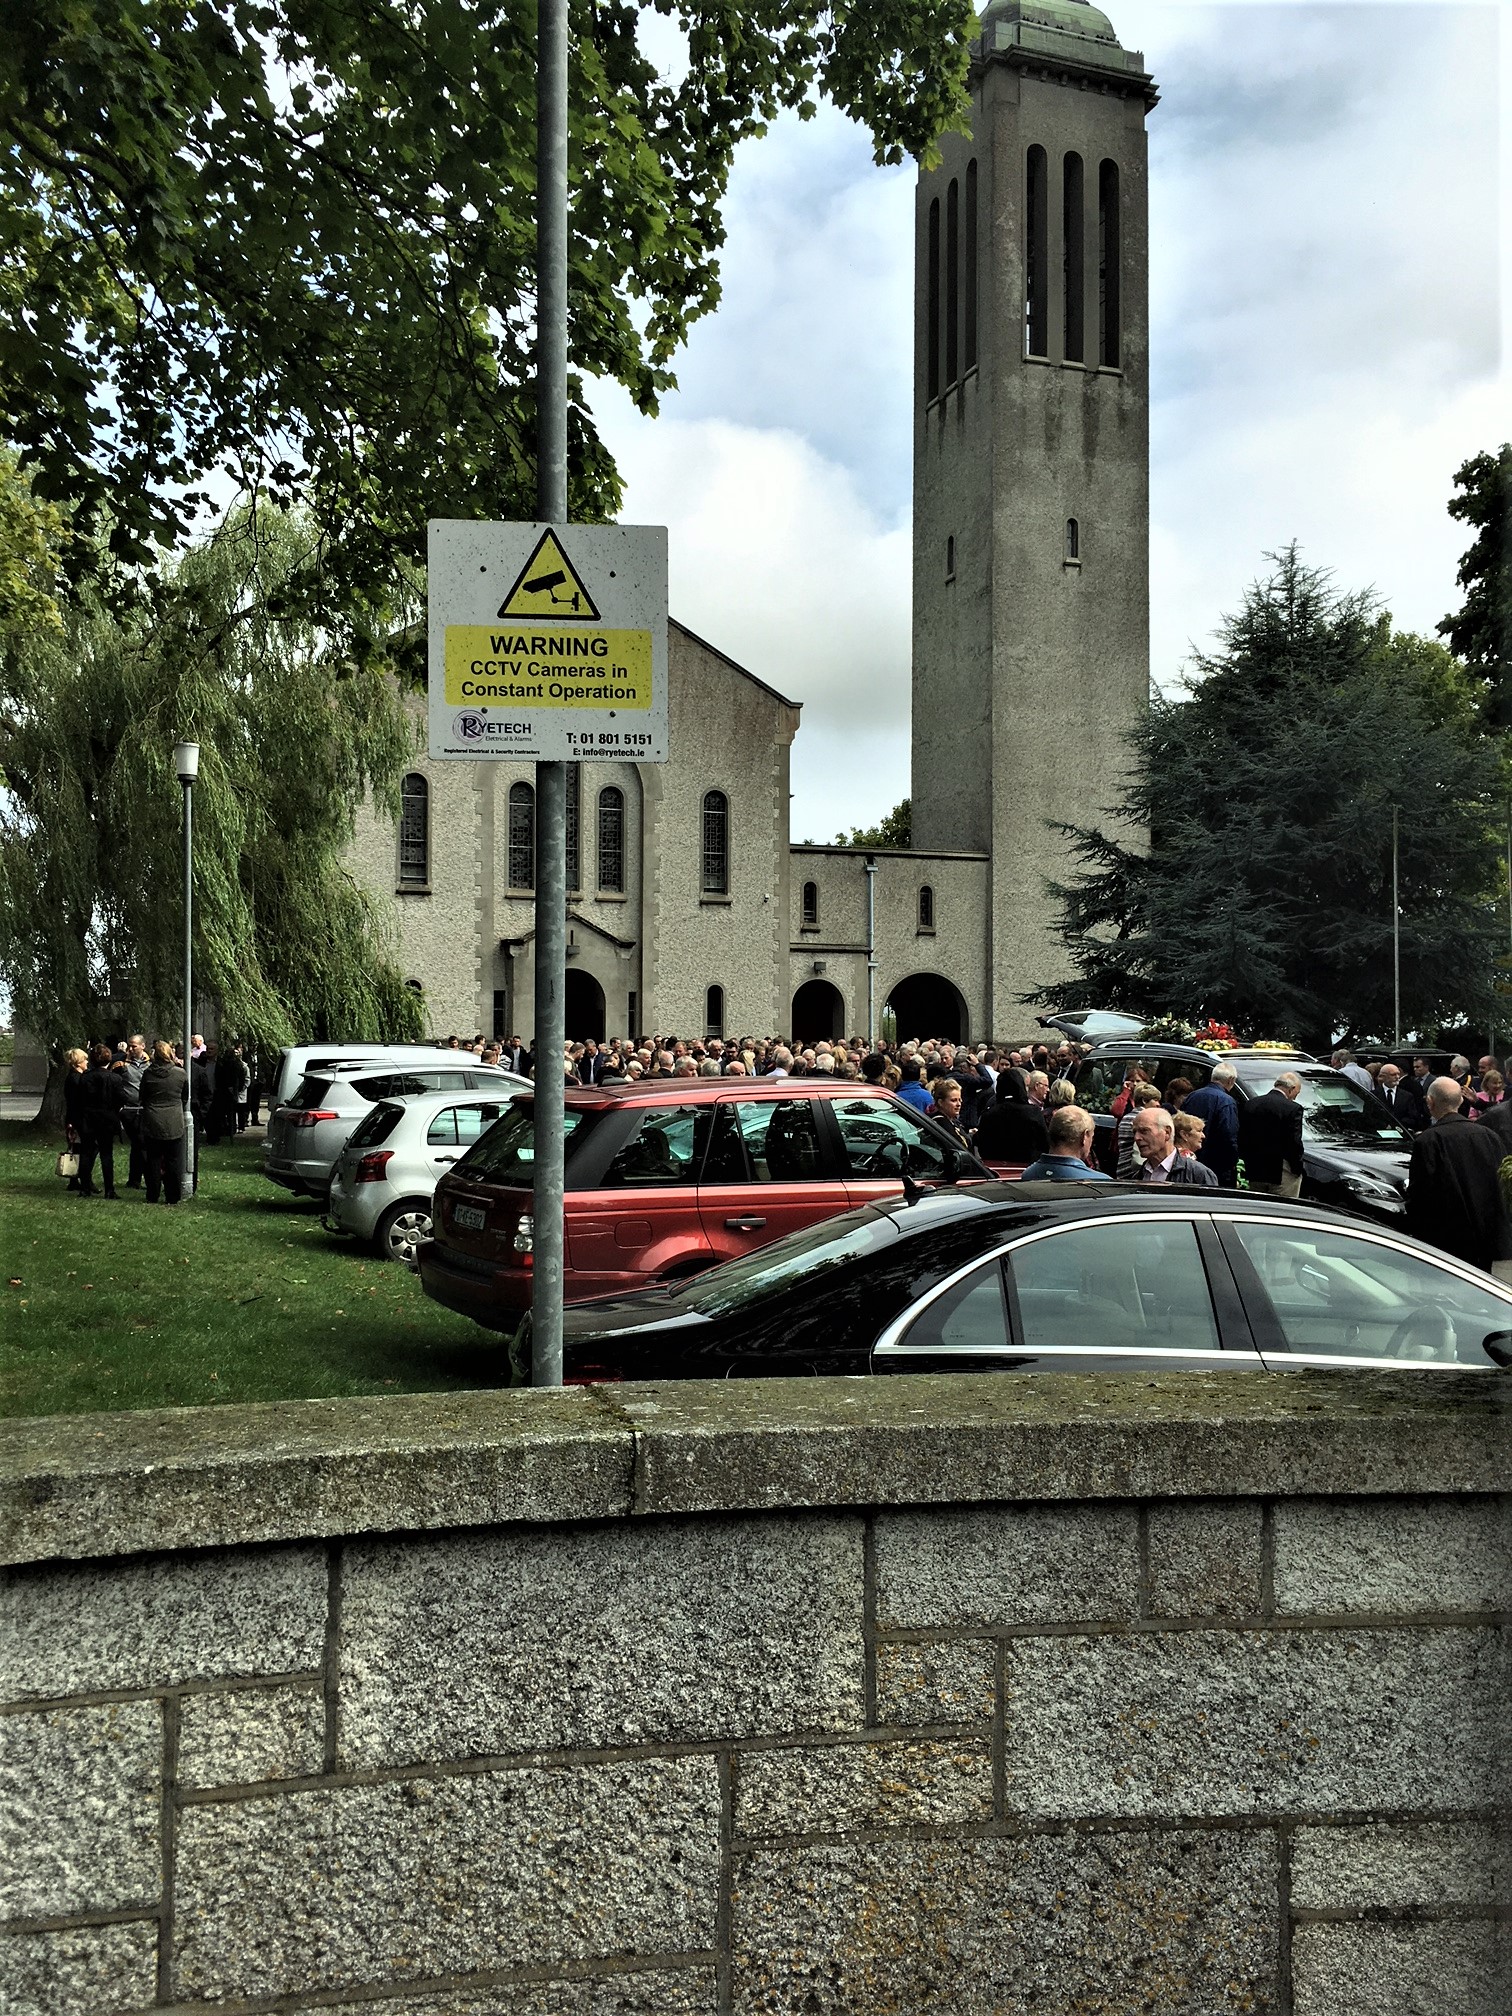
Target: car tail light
(593,1375)
(310,1119)
(524,1236)
(370,1169)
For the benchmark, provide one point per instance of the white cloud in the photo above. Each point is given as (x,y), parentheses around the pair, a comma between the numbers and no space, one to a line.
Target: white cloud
(778,558)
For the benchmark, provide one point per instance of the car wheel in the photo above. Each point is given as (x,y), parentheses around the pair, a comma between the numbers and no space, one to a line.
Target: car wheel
(401,1229)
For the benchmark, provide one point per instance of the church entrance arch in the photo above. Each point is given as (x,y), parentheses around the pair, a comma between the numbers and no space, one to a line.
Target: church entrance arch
(584,1003)
(927,1004)
(818,1012)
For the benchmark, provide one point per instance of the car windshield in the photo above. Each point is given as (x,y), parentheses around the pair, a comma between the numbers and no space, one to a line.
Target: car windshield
(1334,1108)
(506,1153)
(801,1259)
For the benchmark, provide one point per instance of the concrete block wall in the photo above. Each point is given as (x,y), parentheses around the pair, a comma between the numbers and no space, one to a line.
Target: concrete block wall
(914,1695)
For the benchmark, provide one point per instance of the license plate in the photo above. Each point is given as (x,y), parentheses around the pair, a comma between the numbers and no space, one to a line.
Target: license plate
(468,1218)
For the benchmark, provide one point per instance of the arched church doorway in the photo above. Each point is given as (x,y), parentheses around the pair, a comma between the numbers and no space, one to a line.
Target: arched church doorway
(818,1012)
(927,1004)
(585,1007)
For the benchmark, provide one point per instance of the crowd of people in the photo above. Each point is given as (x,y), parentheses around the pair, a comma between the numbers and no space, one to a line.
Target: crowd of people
(1016,1108)
(135,1096)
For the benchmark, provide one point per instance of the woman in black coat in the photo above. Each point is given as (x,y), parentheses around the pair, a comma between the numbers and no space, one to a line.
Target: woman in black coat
(76,1063)
(1010,1129)
(164,1094)
(100,1098)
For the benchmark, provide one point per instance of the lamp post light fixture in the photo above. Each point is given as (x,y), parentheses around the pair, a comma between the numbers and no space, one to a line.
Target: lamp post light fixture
(186,764)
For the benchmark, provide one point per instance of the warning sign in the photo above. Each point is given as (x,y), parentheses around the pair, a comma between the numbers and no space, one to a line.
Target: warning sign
(548,585)
(569,662)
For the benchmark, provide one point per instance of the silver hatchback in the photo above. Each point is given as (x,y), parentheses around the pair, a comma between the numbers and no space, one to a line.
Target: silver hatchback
(306,1136)
(382,1184)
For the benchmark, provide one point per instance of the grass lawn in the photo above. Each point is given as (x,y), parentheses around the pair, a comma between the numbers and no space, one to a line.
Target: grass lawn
(236,1295)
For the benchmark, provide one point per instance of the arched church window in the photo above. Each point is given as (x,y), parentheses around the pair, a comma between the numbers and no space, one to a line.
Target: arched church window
(714,1014)
(1072,261)
(926,908)
(952,283)
(414,832)
(574,825)
(810,906)
(1036,255)
(1073,541)
(715,877)
(522,836)
(611,839)
(932,301)
(969,289)
(1108,258)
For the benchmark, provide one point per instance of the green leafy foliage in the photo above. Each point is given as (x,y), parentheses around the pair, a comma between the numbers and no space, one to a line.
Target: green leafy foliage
(32,537)
(1481,634)
(893,829)
(294,239)
(1267,791)
(293,733)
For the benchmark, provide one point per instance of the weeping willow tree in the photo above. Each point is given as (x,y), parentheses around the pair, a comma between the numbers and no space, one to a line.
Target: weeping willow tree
(293,732)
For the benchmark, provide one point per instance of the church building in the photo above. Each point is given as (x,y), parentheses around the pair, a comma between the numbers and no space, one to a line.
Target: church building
(691,910)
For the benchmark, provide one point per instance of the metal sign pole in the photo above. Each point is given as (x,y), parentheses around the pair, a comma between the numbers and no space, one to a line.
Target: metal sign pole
(1396,940)
(551,778)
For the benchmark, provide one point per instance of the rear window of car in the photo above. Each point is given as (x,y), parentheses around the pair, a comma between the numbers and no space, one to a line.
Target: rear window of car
(506,1153)
(376,1126)
(310,1092)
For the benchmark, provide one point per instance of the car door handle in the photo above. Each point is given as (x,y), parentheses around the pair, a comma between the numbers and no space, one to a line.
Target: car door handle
(446,1158)
(744,1224)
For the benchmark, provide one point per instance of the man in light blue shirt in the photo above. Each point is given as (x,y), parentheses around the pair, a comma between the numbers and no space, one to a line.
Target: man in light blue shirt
(1066,1159)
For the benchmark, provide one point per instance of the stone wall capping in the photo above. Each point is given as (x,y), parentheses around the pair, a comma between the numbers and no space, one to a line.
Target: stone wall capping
(81,1487)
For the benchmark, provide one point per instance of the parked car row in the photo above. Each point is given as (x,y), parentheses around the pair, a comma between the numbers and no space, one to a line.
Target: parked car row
(367,1130)
(1354,1153)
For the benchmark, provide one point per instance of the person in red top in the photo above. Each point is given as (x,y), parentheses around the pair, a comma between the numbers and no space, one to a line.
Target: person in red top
(1136,1074)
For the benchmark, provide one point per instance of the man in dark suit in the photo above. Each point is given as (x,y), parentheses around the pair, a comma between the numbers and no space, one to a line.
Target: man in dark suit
(1454,1198)
(1402,1100)
(1270,1138)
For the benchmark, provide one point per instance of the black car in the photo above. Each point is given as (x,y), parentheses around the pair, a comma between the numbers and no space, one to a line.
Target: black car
(1056,1277)
(1354,1152)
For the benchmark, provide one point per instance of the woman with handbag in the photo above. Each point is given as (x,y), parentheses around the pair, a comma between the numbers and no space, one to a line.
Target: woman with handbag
(76,1063)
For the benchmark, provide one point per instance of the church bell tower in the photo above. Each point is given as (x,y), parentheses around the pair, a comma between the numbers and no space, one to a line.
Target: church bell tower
(1031,466)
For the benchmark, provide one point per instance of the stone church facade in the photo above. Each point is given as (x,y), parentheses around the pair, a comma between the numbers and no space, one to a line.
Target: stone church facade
(692,911)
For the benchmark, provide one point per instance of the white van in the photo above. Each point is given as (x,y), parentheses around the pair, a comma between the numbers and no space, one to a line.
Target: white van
(303,1058)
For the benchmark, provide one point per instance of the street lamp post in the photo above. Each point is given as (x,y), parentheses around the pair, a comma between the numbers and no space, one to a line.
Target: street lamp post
(186,763)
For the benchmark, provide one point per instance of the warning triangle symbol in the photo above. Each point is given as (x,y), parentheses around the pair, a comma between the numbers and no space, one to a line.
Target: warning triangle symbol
(549,585)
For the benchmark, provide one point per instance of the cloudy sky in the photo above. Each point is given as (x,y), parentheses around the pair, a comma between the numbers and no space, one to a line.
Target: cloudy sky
(1326,310)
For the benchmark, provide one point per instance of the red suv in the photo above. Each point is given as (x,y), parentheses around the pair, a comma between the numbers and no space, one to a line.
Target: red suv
(666,1179)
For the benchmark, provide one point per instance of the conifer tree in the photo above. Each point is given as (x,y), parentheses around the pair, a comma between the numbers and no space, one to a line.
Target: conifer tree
(1266,787)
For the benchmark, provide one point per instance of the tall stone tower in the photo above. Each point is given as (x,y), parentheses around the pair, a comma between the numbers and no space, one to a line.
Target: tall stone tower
(1031,465)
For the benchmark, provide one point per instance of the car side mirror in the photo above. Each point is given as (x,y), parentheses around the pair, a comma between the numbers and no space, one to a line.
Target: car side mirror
(1498,1348)
(951,1171)
(489,1112)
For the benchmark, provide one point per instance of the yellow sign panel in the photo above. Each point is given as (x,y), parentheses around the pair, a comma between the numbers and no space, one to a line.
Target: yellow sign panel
(549,585)
(510,664)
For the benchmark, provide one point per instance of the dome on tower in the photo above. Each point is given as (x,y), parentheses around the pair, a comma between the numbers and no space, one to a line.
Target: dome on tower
(1070,28)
